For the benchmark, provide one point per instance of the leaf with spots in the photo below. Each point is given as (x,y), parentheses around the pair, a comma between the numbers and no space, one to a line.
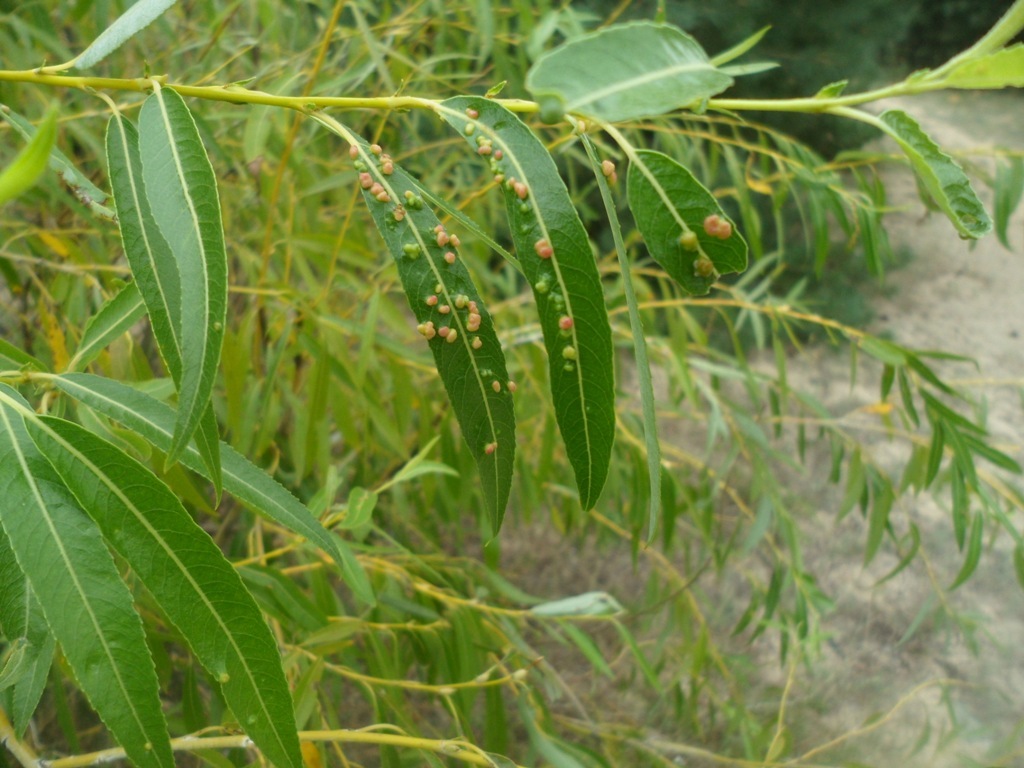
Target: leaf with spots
(556,258)
(452,318)
(185,571)
(685,228)
(945,181)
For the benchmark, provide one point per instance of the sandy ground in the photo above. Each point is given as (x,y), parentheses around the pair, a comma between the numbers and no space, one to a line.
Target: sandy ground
(966,299)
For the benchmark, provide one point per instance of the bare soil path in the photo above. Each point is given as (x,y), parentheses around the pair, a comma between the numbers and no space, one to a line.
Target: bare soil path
(886,640)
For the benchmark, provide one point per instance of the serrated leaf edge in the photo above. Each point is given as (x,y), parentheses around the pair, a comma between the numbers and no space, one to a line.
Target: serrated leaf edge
(5,400)
(155,535)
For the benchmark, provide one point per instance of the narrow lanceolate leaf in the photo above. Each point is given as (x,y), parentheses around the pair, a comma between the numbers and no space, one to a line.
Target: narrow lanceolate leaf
(945,181)
(195,585)
(453,319)
(625,72)
(21,618)
(87,606)
(973,555)
(128,24)
(242,479)
(29,164)
(1001,69)
(1009,188)
(685,229)
(556,259)
(154,266)
(182,193)
(113,319)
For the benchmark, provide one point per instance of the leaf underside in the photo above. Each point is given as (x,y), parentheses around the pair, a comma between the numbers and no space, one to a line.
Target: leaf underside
(627,72)
(945,181)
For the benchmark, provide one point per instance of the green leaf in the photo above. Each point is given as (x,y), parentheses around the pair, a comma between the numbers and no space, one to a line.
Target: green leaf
(127,25)
(187,574)
(554,252)
(626,72)
(740,48)
(21,617)
(1018,564)
(996,70)
(1008,187)
(973,551)
(671,207)
(87,606)
(88,193)
(587,604)
(182,192)
(155,268)
(147,251)
(31,161)
(915,544)
(242,479)
(361,504)
(113,319)
(11,355)
(832,90)
(878,522)
(945,181)
(475,377)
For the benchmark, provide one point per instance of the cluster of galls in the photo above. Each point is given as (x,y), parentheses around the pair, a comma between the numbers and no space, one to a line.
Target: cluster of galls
(462,302)
(384,163)
(714,226)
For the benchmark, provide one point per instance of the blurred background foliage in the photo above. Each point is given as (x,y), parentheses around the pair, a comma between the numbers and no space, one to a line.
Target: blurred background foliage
(325,383)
